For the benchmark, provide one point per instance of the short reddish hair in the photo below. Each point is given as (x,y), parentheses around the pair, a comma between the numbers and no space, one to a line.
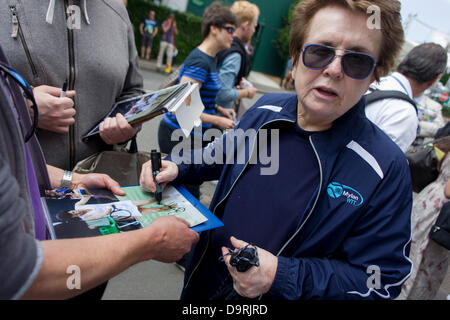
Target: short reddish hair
(391,27)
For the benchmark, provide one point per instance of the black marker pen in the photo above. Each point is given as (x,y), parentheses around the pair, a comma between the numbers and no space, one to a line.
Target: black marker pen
(63,90)
(156,166)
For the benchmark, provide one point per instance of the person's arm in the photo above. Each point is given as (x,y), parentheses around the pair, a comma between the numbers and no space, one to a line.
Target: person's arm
(183,168)
(433,110)
(223,123)
(98,259)
(228,73)
(226,112)
(92,180)
(165,26)
(175,29)
(155,31)
(141,28)
(248,92)
(187,170)
(42,270)
(21,253)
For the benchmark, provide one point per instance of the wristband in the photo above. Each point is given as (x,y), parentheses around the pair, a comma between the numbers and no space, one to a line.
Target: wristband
(66,180)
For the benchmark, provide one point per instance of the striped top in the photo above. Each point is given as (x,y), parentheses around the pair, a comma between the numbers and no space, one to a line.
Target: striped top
(201,67)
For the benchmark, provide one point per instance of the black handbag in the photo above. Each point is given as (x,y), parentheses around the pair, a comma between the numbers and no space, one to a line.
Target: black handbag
(122,165)
(440,231)
(423,162)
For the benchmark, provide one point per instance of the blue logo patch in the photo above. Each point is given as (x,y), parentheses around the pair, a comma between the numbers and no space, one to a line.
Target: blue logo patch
(336,190)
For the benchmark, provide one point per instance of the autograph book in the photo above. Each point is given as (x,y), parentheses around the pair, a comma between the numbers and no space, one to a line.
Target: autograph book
(145,107)
(84,213)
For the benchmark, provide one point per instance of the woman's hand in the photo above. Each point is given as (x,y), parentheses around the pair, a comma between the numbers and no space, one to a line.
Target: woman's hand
(227,112)
(167,173)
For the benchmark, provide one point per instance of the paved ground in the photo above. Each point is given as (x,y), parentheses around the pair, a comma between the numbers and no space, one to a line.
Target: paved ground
(153,280)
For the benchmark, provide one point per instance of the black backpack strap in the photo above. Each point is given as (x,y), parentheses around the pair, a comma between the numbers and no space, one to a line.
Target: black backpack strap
(133,145)
(376,95)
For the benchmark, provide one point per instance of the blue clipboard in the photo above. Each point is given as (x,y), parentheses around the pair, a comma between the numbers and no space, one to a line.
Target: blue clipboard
(211,223)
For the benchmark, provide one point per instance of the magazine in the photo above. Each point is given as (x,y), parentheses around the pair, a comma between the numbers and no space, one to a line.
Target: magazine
(74,213)
(172,203)
(145,107)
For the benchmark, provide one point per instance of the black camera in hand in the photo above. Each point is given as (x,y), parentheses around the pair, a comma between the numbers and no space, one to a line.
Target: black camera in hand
(244,258)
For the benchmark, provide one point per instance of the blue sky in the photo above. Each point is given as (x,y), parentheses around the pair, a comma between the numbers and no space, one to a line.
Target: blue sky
(434,13)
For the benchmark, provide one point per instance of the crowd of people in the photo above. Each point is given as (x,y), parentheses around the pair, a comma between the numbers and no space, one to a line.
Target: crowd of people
(339,205)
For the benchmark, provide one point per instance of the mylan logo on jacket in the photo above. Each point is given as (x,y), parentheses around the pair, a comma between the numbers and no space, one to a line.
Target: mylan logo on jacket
(336,190)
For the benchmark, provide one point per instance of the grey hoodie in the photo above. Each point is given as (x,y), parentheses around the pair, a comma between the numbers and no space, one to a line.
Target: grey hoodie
(92,46)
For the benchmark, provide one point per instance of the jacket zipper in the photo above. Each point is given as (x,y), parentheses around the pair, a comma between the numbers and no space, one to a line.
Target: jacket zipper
(310,212)
(17,31)
(313,207)
(71,84)
(226,196)
(315,202)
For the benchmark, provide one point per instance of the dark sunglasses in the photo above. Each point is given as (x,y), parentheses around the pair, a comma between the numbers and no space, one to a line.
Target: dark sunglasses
(28,92)
(229,29)
(356,65)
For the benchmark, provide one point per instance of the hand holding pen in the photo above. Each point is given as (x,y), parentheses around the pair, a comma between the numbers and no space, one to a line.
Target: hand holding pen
(149,178)
(155,158)
(56,112)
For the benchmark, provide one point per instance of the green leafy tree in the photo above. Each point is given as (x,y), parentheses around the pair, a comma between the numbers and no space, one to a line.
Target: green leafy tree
(444,78)
(281,42)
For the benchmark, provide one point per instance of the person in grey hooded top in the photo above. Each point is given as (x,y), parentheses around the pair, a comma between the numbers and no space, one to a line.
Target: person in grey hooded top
(89,43)
(32,267)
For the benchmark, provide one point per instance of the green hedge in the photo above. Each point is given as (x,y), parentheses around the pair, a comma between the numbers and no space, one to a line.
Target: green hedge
(445,78)
(446,111)
(281,42)
(189,27)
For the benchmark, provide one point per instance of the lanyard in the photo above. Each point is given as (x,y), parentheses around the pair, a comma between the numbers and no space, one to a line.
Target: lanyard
(402,85)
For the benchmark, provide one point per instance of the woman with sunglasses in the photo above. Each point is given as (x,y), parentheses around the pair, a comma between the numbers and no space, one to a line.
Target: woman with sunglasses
(333,221)
(200,67)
